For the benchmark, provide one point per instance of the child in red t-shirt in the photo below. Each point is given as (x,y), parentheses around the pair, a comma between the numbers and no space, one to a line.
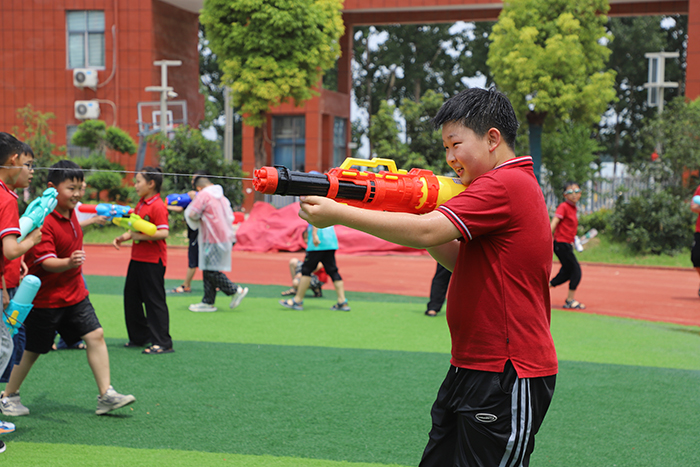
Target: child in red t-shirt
(15,169)
(145,278)
(16,270)
(495,238)
(564,227)
(62,303)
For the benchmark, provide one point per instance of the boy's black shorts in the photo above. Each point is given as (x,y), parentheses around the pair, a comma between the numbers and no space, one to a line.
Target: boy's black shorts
(695,252)
(193,248)
(72,322)
(482,418)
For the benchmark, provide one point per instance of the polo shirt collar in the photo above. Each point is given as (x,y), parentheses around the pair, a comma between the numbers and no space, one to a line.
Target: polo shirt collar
(151,199)
(4,187)
(522,161)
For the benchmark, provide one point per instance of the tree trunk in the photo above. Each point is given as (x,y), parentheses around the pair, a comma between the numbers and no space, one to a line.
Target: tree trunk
(535,121)
(259,152)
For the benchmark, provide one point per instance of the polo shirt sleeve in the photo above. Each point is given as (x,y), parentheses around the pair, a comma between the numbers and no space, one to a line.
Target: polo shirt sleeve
(481,209)
(45,249)
(561,211)
(159,216)
(9,217)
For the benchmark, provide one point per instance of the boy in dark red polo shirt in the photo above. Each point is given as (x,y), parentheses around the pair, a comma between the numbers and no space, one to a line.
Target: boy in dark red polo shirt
(145,278)
(495,238)
(564,227)
(62,303)
(15,168)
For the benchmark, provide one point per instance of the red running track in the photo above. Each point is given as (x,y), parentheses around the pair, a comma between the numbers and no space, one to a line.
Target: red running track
(654,294)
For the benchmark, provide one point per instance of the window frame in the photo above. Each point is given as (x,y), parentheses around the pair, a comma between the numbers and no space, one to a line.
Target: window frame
(86,41)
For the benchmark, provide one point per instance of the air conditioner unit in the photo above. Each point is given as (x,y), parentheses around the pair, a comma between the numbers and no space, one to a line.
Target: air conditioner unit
(86,110)
(84,78)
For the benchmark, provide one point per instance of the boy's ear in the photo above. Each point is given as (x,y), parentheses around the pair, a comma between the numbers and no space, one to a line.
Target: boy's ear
(51,185)
(13,160)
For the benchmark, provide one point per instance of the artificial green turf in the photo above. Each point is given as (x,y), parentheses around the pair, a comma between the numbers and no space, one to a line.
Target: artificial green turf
(70,455)
(264,381)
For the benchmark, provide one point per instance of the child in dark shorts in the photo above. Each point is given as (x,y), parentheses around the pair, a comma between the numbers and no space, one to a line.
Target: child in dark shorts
(62,303)
(496,239)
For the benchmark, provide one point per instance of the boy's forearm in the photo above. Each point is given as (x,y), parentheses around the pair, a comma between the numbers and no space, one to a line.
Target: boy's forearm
(13,250)
(56,264)
(411,230)
(160,234)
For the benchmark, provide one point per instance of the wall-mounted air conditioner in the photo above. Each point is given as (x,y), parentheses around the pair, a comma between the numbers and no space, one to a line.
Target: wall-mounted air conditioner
(84,78)
(85,110)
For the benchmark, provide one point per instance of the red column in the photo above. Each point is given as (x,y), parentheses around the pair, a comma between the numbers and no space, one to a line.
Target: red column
(692,72)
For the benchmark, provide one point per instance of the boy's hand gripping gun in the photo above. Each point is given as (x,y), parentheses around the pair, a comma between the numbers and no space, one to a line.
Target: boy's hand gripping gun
(21,304)
(183,200)
(417,191)
(110,211)
(136,224)
(36,212)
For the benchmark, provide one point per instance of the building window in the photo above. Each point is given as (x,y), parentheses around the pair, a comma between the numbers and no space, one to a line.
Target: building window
(71,149)
(340,144)
(289,142)
(86,39)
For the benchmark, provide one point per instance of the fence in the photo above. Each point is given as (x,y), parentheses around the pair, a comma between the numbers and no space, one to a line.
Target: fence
(603,193)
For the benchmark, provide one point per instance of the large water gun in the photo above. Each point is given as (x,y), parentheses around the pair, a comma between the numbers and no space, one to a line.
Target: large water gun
(36,212)
(21,304)
(136,224)
(110,211)
(183,200)
(416,191)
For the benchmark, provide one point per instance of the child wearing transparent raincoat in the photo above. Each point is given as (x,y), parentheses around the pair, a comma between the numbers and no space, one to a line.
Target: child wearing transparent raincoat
(210,212)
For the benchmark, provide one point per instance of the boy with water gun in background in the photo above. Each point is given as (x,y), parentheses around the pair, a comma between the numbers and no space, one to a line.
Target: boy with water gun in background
(62,303)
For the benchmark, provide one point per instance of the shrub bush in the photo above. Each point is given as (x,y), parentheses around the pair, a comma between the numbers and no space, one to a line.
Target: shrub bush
(655,222)
(596,220)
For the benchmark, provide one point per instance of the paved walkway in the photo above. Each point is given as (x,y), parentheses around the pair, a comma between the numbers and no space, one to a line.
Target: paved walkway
(654,294)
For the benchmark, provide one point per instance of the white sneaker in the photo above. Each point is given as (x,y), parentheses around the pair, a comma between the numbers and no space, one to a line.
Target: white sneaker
(112,400)
(202,308)
(238,296)
(11,405)
(6,427)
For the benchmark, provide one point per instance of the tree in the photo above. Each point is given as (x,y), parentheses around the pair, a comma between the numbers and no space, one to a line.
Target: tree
(37,133)
(678,131)
(272,51)
(622,125)
(189,151)
(103,174)
(413,59)
(568,153)
(547,56)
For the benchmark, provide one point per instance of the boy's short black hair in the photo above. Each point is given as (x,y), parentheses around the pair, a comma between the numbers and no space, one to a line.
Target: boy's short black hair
(200,177)
(27,149)
(9,146)
(65,170)
(480,110)
(153,173)
(567,184)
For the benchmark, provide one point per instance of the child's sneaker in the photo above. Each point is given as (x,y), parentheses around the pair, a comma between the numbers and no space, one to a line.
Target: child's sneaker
(11,405)
(202,308)
(6,427)
(341,306)
(112,400)
(2,446)
(292,304)
(238,297)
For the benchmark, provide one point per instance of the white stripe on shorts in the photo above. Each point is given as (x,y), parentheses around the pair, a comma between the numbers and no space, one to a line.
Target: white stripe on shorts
(521,424)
